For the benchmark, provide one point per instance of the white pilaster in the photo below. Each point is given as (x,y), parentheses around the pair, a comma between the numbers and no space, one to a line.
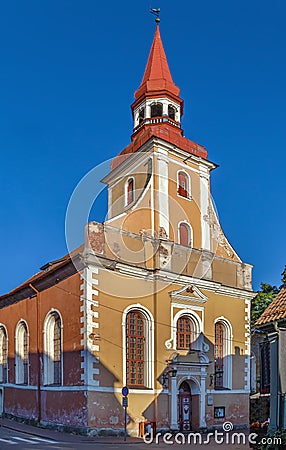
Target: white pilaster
(90,327)
(163,191)
(204,198)
(174,404)
(203,401)
(165,108)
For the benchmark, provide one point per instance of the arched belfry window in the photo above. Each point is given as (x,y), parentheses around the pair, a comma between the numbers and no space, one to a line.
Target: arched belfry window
(171,112)
(3,355)
(156,110)
(222,354)
(185,235)
(183,184)
(138,349)
(129,191)
(185,333)
(22,354)
(53,349)
(141,115)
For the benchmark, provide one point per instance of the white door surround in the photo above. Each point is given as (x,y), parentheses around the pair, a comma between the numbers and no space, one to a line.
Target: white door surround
(195,375)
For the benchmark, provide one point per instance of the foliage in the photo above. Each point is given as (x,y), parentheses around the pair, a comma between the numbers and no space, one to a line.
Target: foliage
(263,298)
(274,441)
(283,275)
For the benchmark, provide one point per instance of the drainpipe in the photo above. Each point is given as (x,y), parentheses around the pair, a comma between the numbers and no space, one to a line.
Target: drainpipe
(155,331)
(281,405)
(38,297)
(278,421)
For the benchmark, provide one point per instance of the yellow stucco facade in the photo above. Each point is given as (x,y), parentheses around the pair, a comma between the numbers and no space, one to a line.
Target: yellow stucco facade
(143,267)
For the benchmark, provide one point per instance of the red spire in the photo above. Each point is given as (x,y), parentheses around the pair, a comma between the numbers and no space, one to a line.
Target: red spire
(157,78)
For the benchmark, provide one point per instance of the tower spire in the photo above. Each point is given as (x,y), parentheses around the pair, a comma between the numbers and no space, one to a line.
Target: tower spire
(157,76)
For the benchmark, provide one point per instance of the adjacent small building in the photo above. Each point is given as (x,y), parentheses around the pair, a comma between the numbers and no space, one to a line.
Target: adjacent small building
(272,324)
(156,299)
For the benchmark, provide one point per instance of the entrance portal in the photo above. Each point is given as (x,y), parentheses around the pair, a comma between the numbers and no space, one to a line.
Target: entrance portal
(185,407)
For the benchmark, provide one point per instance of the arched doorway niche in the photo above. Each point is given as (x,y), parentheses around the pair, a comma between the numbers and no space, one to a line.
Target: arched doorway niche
(188,404)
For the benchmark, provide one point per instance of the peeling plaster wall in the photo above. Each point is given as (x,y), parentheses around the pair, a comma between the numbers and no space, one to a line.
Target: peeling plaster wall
(21,402)
(236,409)
(104,411)
(67,408)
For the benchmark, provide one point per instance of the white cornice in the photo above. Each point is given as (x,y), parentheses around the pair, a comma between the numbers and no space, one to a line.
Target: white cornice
(171,148)
(127,163)
(185,298)
(168,277)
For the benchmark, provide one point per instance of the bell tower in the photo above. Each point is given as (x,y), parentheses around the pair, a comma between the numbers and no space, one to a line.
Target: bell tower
(160,183)
(157,99)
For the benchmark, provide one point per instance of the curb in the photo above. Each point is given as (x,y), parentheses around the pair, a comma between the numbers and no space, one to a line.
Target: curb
(64,437)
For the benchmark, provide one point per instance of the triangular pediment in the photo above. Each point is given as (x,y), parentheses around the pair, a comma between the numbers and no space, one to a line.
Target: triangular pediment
(189,293)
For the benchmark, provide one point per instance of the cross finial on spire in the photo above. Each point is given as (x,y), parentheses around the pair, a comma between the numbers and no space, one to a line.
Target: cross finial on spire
(156,13)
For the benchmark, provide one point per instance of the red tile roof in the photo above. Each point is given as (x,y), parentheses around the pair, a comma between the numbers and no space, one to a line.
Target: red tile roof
(163,131)
(157,77)
(276,310)
(47,270)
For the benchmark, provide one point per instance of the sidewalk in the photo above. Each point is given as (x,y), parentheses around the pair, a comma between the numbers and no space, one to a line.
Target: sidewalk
(75,438)
(62,436)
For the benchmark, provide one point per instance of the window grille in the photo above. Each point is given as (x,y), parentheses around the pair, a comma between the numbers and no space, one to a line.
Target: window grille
(219,355)
(184,333)
(135,349)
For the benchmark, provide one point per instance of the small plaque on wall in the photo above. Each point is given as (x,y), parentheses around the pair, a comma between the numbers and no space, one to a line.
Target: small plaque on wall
(210,400)
(219,412)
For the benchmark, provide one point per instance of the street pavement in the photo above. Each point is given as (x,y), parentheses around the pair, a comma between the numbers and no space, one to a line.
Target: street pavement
(19,436)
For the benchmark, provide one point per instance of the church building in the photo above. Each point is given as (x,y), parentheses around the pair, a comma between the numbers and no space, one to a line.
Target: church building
(156,299)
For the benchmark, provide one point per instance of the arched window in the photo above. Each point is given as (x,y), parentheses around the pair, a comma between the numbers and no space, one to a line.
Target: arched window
(222,355)
(185,333)
(156,110)
(22,354)
(183,184)
(3,355)
(219,354)
(53,349)
(135,349)
(187,330)
(138,347)
(171,112)
(129,192)
(185,235)
(141,115)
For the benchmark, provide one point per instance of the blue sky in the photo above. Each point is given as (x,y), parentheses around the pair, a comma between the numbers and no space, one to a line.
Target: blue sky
(68,73)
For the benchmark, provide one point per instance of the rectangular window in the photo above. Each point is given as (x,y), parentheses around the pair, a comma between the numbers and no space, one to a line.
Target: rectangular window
(219,412)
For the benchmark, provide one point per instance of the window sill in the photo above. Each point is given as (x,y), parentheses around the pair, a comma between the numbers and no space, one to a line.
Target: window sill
(189,197)
(222,389)
(139,388)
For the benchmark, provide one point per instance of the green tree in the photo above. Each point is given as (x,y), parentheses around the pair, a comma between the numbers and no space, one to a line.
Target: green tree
(263,298)
(283,279)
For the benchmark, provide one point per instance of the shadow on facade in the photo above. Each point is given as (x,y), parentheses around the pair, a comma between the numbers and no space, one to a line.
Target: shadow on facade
(185,396)
(196,391)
